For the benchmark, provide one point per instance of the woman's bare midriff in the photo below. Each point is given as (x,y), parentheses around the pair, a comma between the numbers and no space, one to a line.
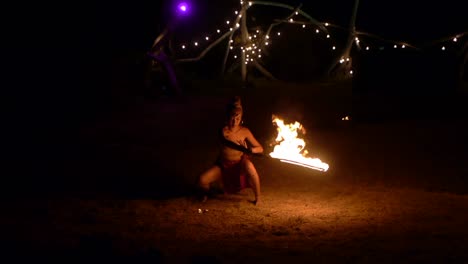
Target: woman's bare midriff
(230,154)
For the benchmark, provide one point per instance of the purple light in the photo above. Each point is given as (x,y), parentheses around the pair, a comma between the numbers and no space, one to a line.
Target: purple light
(183,7)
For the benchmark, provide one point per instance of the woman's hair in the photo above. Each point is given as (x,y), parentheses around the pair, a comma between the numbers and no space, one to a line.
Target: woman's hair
(234,107)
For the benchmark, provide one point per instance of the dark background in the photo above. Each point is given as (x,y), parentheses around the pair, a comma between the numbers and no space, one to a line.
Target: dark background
(66,64)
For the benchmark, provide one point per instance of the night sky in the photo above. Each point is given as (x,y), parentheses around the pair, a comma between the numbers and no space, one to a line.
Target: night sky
(414,21)
(67,50)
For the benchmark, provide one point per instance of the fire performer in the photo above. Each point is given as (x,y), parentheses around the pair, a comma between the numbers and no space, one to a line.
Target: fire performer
(233,168)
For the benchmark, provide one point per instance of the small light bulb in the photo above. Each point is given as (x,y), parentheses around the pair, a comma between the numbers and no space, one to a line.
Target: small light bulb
(230,29)
(218,30)
(403,46)
(207,38)
(333,48)
(235,12)
(279,33)
(259,55)
(266,43)
(367,48)
(303,26)
(183,46)
(326,24)
(231,47)
(328,35)
(250,3)
(235,56)
(291,20)
(455,39)
(443,47)
(395,46)
(317,31)
(237,25)
(351,72)
(297,13)
(227,22)
(268,37)
(196,43)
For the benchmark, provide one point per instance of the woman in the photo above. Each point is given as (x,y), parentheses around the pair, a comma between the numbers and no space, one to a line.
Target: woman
(233,168)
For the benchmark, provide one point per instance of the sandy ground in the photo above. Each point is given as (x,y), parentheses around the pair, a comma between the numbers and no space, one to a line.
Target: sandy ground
(396,191)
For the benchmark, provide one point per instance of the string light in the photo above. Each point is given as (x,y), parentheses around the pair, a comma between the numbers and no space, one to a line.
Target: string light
(250,50)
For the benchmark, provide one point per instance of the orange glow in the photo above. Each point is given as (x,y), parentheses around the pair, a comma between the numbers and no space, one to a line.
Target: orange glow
(291,149)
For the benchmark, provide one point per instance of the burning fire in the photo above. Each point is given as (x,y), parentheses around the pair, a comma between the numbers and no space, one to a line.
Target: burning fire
(291,148)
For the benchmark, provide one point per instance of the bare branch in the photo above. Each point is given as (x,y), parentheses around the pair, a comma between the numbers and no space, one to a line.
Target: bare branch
(264,71)
(204,52)
(311,19)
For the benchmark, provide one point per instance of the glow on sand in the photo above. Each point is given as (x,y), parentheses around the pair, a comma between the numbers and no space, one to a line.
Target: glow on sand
(291,149)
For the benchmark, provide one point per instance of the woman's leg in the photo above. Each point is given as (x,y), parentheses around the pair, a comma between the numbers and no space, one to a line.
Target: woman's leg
(209,176)
(253,178)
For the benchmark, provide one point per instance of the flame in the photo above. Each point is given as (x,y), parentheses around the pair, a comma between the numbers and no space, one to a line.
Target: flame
(291,148)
